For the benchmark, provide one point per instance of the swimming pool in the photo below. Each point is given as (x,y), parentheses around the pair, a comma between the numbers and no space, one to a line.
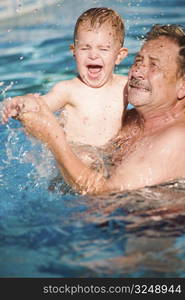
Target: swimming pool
(45,233)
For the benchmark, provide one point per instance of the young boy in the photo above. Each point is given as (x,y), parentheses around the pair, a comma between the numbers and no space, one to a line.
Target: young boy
(92,104)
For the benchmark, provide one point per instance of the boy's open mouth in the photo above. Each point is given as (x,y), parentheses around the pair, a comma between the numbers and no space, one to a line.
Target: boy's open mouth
(94,69)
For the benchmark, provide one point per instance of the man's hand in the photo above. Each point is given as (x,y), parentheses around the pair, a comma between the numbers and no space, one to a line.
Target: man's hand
(40,123)
(20,104)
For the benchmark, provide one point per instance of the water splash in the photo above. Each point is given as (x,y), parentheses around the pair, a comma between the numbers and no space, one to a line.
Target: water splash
(6,88)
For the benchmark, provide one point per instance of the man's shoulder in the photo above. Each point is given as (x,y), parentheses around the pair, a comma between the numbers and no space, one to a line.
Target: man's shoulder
(174,135)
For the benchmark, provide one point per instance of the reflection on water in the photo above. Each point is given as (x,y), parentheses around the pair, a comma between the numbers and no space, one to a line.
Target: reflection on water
(46,233)
(150,223)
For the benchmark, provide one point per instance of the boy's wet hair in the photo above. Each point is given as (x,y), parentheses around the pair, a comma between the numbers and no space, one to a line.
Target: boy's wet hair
(174,32)
(98,16)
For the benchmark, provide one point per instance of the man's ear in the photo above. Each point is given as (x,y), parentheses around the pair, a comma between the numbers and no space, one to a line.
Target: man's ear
(181,90)
(122,53)
(72,49)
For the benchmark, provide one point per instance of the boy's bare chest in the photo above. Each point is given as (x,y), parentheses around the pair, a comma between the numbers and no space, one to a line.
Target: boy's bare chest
(98,106)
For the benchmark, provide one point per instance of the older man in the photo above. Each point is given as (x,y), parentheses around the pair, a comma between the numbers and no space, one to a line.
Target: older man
(150,148)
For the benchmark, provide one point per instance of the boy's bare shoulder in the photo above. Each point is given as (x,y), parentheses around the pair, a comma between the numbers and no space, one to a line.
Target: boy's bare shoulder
(122,79)
(65,89)
(65,84)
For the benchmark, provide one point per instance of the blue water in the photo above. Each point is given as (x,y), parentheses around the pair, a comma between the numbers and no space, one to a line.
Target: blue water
(46,233)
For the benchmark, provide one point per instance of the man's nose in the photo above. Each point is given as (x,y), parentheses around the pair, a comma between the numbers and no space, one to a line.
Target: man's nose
(139,70)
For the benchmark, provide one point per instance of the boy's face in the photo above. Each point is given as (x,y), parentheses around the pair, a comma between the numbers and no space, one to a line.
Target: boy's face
(96,52)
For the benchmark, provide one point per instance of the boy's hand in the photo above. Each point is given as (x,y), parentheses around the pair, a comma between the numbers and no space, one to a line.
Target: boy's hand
(13,107)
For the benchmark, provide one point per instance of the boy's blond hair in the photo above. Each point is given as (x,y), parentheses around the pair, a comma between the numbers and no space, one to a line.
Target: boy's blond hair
(95,17)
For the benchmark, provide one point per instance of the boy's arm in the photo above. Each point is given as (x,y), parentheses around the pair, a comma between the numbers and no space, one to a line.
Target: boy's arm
(55,99)
(58,96)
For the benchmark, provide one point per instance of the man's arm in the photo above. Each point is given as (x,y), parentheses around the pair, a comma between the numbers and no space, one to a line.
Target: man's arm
(44,126)
(13,106)
(164,161)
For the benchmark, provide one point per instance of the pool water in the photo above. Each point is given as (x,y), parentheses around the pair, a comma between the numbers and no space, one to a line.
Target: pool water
(48,233)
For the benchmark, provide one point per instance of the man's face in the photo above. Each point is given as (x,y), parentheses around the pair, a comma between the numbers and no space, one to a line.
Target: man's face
(96,52)
(153,76)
